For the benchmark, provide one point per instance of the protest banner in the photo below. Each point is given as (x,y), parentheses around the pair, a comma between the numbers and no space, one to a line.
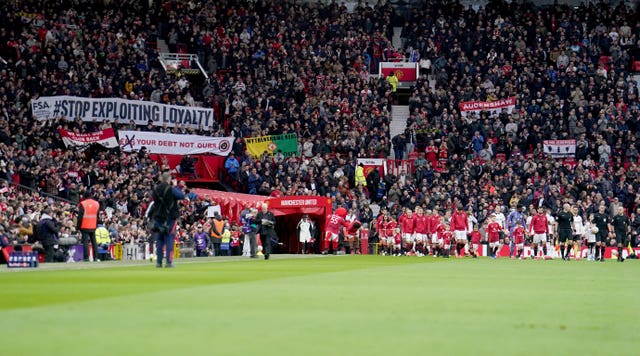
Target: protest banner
(162,143)
(106,138)
(122,110)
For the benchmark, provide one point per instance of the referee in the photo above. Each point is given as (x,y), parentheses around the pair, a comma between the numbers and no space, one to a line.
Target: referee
(601,219)
(564,219)
(621,227)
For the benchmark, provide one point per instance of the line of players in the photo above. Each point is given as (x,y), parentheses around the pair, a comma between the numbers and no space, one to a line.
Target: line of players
(426,232)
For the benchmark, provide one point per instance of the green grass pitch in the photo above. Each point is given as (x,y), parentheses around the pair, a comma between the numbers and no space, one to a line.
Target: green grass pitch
(332,305)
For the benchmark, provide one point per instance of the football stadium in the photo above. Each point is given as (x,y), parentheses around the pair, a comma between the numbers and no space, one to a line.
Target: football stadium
(352,305)
(317,176)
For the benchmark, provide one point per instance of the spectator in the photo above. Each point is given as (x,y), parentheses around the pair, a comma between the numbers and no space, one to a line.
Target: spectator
(188,167)
(49,229)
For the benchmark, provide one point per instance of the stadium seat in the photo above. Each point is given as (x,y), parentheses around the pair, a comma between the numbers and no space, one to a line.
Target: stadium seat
(605,60)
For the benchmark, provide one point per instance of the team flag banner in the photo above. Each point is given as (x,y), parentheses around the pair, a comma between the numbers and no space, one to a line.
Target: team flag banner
(125,111)
(404,71)
(494,107)
(560,148)
(106,138)
(173,144)
(287,144)
(369,164)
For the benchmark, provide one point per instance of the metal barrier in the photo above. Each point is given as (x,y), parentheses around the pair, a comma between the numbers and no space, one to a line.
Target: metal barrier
(25,189)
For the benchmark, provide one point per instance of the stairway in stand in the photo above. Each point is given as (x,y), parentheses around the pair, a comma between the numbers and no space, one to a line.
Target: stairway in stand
(399,116)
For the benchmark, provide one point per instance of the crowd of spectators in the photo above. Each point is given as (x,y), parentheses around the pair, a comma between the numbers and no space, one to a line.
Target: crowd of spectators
(286,67)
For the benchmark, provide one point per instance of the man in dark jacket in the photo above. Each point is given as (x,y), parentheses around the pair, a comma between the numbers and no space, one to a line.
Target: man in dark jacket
(266,222)
(48,233)
(163,215)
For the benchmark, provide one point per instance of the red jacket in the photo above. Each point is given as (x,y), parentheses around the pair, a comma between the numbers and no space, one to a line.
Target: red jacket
(407,224)
(421,222)
(539,224)
(459,221)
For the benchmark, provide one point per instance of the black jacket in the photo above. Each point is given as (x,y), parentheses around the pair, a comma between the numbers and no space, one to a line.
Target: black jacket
(165,202)
(49,230)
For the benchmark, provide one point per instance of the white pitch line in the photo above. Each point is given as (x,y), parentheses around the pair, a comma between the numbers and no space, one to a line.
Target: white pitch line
(141,263)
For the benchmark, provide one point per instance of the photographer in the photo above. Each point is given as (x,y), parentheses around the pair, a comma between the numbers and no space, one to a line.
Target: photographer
(163,214)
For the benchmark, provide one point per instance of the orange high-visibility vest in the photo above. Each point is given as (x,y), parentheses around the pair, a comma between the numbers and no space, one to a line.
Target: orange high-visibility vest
(90,217)
(219,224)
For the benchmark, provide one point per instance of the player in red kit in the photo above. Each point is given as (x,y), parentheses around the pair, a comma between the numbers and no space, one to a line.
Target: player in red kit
(407,226)
(459,228)
(420,229)
(540,229)
(335,221)
(352,236)
(518,239)
(493,235)
(388,226)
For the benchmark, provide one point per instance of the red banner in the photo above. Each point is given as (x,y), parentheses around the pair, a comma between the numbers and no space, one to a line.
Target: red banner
(106,138)
(492,106)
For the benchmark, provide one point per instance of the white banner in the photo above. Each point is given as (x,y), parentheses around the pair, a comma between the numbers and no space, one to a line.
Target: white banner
(125,111)
(373,163)
(162,143)
(494,107)
(104,137)
(404,71)
(560,148)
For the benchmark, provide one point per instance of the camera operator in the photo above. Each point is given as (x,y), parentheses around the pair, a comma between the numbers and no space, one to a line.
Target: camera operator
(163,214)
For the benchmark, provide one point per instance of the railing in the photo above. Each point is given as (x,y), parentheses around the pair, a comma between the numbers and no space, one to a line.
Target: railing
(173,61)
(25,189)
